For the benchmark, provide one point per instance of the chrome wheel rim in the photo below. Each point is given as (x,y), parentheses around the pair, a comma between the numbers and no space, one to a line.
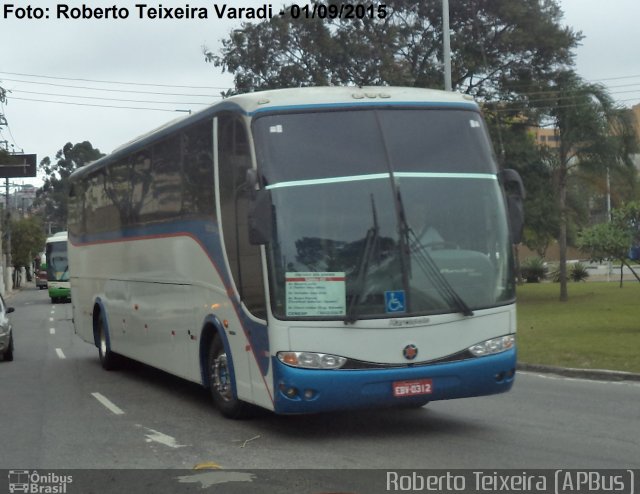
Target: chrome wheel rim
(220,377)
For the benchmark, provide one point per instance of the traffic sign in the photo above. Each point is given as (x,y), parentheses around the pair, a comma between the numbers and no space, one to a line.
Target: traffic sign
(18,165)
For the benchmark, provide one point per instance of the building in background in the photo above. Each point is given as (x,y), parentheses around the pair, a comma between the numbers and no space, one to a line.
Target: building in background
(546,136)
(21,200)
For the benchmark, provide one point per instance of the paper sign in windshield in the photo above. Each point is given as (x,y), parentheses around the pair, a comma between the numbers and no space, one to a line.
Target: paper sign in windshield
(315,294)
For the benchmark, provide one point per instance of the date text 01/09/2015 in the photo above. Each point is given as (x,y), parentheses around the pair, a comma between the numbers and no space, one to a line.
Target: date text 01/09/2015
(337,11)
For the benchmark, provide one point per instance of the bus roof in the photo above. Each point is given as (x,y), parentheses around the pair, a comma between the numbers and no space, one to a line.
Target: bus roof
(252,104)
(283,99)
(58,237)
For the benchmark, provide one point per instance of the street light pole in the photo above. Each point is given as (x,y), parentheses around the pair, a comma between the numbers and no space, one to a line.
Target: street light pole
(446,37)
(9,285)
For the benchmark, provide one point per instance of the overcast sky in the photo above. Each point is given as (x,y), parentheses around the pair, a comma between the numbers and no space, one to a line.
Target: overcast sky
(46,59)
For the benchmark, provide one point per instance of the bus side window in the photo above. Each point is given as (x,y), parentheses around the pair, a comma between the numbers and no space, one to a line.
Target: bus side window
(234,159)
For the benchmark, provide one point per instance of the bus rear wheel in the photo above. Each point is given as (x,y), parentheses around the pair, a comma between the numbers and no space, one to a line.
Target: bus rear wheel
(107,357)
(221,382)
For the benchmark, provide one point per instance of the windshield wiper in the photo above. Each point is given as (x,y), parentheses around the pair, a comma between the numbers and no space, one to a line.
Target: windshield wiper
(428,266)
(370,246)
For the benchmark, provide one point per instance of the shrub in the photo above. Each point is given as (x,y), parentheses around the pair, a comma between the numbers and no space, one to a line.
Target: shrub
(578,272)
(575,272)
(533,270)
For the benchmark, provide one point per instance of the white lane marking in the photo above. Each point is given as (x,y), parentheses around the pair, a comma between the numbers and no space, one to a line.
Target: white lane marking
(52,330)
(108,404)
(60,353)
(51,319)
(159,437)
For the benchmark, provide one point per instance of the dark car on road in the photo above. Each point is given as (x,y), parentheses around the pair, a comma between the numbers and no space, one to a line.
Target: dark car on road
(6,332)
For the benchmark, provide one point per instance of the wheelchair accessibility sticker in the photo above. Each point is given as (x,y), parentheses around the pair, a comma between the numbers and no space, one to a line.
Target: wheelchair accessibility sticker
(394,301)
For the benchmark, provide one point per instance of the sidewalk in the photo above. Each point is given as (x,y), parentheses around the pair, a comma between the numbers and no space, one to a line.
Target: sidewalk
(8,294)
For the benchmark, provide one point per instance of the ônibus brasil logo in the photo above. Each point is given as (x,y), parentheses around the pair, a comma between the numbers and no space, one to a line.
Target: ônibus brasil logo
(34,483)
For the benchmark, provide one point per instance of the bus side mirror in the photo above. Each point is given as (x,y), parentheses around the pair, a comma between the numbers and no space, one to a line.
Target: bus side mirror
(251,180)
(515,193)
(260,218)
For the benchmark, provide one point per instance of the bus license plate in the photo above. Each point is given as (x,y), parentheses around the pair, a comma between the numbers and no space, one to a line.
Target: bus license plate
(412,388)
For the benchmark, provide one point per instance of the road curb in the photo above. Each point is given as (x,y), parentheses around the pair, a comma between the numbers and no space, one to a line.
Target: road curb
(594,374)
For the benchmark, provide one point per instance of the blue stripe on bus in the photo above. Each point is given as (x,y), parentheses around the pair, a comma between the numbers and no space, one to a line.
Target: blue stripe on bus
(207,235)
(357,389)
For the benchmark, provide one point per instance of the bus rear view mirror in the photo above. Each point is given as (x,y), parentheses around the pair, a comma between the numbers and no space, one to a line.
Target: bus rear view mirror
(515,193)
(260,218)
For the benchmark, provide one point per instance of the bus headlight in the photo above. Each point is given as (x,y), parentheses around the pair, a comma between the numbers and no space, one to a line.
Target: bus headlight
(311,360)
(494,345)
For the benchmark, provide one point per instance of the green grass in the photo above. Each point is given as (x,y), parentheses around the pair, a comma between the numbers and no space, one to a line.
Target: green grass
(598,328)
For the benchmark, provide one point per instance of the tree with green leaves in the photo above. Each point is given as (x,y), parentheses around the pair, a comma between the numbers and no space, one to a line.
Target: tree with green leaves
(27,240)
(519,150)
(52,198)
(612,240)
(500,48)
(594,135)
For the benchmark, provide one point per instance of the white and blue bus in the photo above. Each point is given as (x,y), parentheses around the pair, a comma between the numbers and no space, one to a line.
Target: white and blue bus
(304,250)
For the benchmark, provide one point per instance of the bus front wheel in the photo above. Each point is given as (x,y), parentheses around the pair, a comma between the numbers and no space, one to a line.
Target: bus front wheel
(221,382)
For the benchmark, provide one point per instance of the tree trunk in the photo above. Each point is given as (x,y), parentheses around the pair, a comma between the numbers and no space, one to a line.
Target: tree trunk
(621,272)
(562,238)
(516,255)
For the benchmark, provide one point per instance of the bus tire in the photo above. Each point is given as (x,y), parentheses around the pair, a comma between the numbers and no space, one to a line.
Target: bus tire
(221,382)
(108,359)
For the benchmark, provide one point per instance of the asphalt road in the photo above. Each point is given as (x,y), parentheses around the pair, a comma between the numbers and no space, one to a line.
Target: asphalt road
(59,410)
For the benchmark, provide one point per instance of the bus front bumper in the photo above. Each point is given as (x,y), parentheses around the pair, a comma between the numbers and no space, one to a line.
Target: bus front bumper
(311,391)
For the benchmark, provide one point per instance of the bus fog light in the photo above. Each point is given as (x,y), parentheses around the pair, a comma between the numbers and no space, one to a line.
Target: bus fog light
(311,360)
(291,392)
(493,346)
(288,391)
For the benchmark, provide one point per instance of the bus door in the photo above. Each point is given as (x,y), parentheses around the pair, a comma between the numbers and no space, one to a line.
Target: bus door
(244,260)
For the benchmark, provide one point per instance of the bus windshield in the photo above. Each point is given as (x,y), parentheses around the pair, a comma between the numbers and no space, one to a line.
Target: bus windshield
(383,212)
(57,263)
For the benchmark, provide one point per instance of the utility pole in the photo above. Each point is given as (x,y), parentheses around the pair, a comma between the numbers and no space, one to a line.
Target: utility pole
(3,264)
(446,39)
(610,264)
(8,224)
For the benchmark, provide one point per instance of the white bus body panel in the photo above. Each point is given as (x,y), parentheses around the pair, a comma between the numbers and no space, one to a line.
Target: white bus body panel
(156,318)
